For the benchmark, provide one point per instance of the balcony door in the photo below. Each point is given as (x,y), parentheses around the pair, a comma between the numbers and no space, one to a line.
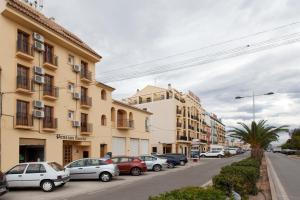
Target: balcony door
(48,53)
(48,86)
(22,113)
(84,120)
(49,118)
(23,41)
(22,77)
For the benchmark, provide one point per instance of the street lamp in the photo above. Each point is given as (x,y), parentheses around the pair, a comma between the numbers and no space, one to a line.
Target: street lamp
(253,100)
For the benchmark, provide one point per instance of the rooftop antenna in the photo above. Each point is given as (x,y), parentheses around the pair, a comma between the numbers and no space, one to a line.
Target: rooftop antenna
(36,4)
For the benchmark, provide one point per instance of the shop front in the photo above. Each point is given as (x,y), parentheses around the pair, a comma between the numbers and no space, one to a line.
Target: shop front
(31,150)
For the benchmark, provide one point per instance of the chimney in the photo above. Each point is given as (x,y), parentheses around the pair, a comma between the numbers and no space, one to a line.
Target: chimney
(169,86)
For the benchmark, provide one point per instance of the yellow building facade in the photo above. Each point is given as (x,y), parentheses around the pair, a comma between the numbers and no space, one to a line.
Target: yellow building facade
(51,106)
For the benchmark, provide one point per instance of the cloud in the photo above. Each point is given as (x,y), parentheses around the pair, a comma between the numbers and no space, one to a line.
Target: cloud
(134,31)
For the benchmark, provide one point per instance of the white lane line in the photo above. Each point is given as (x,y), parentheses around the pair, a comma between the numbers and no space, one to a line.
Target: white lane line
(275,183)
(208,183)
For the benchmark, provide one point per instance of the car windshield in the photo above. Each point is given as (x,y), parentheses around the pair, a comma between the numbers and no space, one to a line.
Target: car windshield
(56,166)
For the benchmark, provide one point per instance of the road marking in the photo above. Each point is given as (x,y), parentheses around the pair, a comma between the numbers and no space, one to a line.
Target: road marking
(208,183)
(275,183)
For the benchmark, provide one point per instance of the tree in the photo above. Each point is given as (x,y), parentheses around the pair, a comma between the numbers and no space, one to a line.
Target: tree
(294,142)
(258,135)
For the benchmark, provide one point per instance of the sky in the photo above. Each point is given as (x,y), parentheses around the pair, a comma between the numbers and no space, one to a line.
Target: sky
(130,32)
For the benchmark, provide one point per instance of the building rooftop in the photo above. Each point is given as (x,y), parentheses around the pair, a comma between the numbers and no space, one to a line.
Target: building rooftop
(49,23)
(130,106)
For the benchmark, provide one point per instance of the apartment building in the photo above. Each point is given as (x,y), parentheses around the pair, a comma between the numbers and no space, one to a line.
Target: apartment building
(217,130)
(177,119)
(51,106)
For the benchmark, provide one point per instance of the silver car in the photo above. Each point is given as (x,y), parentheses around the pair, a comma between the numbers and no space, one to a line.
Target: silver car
(92,168)
(154,163)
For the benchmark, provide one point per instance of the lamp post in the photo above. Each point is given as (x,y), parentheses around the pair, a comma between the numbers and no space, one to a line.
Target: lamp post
(253,100)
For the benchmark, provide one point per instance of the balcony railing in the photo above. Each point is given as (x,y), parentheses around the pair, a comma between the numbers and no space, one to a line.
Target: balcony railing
(51,91)
(24,82)
(181,137)
(85,74)
(178,112)
(25,47)
(179,125)
(51,59)
(24,119)
(86,101)
(86,127)
(125,124)
(50,123)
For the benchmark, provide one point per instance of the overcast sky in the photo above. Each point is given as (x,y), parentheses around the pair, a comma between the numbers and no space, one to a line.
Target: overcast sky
(134,31)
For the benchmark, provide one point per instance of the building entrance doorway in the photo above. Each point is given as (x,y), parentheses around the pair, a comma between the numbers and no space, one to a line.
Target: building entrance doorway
(167,148)
(103,150)
(31,150)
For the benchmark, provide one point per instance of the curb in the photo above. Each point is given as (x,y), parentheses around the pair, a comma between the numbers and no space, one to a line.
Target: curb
(277,190)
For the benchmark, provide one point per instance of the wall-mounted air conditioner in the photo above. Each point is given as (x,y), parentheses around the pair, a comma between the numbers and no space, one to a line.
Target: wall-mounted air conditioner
(38,113)
(39,79)
(39,46)
(38,104)
(38,70)
(76,95)
(38,37)
(76,68)
(76,123)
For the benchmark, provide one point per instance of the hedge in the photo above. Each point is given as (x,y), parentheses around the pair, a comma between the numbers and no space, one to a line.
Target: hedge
(192,193)
(240,177)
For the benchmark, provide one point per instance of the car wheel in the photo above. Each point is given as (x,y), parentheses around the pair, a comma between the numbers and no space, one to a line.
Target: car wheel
(182,163)
(47,185)
(156,168)
(105,177)
(135,171)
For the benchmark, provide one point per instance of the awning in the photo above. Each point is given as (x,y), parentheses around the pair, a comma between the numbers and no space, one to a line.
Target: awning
(31,141)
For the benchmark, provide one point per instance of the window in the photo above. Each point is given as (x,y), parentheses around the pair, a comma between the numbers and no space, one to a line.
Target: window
(19,169)
(123,160)
(147,124)
(154,149)
(23,77)
(71,60)
(48,53)
(103,120)
(23,113)
(35,168)
(56,166)
(103,94)
(79,163)
(48,86)
(23,42)
(84,93)
(71,87)
(49,118)
(70,115)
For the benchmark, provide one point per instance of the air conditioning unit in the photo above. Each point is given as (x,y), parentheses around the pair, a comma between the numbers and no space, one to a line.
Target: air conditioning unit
(38,70)
(38,37)
(76,95)
(39,46)
(38,113)
(38,104)
(76,68)
(39,79)
(76,123)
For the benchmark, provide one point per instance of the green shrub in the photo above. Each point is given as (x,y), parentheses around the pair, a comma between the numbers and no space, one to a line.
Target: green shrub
(240,177)
(192,193)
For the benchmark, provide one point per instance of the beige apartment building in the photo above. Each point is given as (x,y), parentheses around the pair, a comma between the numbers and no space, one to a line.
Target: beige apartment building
(178,119)
(51,106)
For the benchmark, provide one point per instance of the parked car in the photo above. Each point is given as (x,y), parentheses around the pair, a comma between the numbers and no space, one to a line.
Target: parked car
(154,163)
(180,157)
(46,175)
(171,161)
(289,151)
(130,165)
(277,150)
(3,184)
(92,168)
(213,153)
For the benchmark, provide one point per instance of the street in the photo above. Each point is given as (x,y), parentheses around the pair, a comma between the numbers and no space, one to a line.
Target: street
(130,187)
(288,172)
(139,190)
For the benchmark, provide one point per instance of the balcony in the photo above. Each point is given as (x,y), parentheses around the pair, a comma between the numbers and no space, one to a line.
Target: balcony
(182,137)
(125,124)
(50,92)
(50,124)
(86,76)
(24,121)
(50,62)
(178,112)
(86,128)
(24,85)
(25,50)
(86,102)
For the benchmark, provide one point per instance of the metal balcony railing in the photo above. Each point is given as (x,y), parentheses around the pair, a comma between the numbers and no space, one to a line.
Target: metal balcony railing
(24,119)
(86,127)
(85,74)
(124,123)
(51,59)
(25,47)
(23,82)
(50,90)
(50,123)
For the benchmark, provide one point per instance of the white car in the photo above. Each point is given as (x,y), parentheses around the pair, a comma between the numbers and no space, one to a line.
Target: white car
(154,163)
(213,153)
(46,175)
(93,168)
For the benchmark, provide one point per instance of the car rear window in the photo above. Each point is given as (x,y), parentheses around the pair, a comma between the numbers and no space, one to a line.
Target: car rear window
(56,166)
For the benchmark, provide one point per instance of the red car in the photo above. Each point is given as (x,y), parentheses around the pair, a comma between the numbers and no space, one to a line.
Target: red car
(130,165)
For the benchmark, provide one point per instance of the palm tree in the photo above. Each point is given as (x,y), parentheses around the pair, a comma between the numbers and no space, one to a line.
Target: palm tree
(259,136)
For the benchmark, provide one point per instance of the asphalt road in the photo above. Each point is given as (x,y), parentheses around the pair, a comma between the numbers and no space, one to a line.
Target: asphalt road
(142,189)
(288,172)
